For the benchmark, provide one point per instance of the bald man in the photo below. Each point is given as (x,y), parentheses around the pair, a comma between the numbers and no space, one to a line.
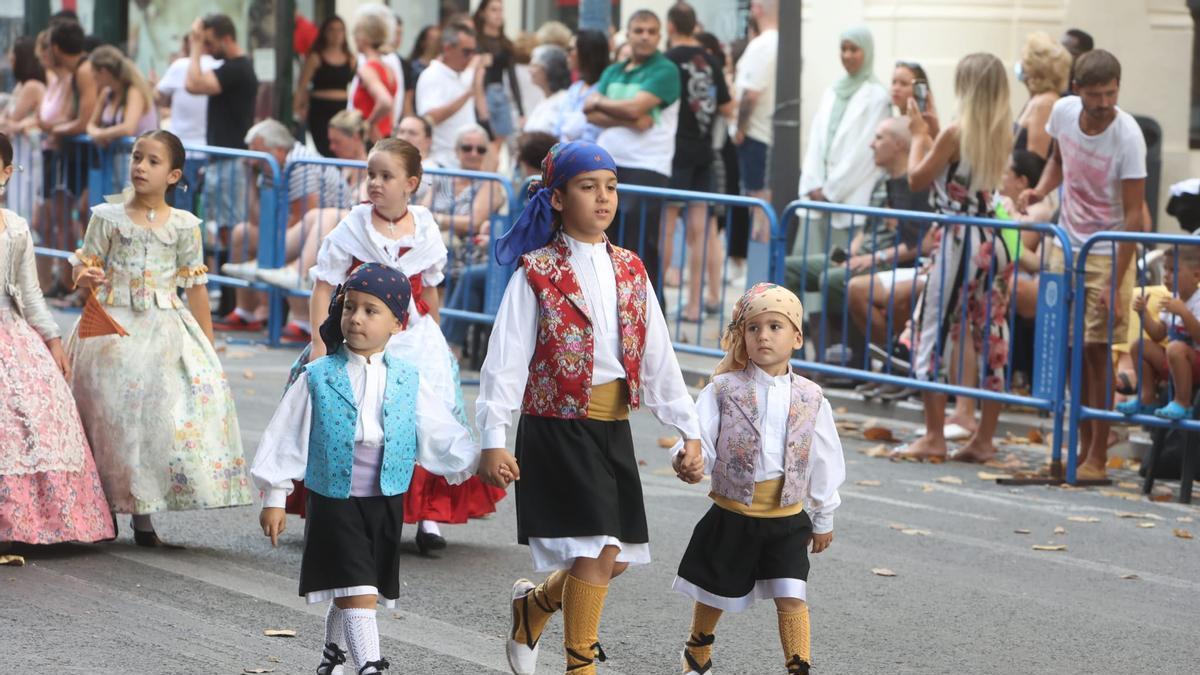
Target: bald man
(880,244)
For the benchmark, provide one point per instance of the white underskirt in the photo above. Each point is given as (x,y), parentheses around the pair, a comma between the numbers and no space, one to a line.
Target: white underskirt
(331,593)
(764,589)
(559,553)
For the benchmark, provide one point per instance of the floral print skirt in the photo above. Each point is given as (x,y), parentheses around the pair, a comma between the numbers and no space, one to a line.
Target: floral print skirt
(159,414)
(49,489)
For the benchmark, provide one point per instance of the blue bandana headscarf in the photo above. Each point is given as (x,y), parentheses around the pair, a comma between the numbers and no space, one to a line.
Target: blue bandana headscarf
(385,283)
(534,227)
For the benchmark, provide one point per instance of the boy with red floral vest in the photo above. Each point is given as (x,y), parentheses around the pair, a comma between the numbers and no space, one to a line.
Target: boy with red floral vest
(578,341)
(770,443)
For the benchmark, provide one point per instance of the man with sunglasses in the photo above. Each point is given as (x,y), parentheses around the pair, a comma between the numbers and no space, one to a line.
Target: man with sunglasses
(636,105)
(449,90)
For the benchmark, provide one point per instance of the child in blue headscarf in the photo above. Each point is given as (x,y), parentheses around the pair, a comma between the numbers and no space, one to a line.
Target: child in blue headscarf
(352,426)
(577,342)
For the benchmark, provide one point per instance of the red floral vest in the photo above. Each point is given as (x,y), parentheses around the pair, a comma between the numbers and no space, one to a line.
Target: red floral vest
(560,373)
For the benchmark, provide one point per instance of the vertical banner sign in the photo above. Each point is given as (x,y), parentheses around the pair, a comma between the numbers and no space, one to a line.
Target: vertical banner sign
(1049,335)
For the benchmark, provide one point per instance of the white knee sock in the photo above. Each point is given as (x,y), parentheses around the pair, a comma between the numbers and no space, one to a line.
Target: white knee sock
(362,635)
(430,527)
(333,627)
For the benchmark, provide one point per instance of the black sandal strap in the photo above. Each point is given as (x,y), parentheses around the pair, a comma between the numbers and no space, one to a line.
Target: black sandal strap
(379,666)
(585,661)
(798,666)
(701,640)
(695,666)
(332,657)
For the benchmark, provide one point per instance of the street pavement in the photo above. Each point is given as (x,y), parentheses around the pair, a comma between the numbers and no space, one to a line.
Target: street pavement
(969,592)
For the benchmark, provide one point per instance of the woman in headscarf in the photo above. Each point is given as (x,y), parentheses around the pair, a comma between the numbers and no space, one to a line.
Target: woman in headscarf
(838,166)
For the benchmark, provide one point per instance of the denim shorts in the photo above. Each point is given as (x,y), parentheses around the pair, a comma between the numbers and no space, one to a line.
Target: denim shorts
(500,111)
(752,160)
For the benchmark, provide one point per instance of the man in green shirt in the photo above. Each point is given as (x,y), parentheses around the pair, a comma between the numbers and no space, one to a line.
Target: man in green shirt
(637,105)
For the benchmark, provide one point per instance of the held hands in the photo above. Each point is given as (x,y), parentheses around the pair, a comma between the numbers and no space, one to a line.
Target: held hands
(689,462)
(820,542)
(273,521)
(498,468)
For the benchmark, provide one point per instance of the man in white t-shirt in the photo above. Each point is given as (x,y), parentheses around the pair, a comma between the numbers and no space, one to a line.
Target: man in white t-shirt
(189,112)
(1099,158)
(755,84)
(449,89)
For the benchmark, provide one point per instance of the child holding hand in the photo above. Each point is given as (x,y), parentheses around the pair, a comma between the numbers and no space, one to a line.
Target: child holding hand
(1179,324)
(770,443)
(352,426)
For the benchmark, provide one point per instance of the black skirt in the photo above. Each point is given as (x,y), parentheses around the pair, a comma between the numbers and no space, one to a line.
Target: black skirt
(352,542)
(733,559)
(579,478)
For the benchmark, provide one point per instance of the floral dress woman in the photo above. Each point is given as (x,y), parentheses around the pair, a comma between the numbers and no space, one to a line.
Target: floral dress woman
(156,406)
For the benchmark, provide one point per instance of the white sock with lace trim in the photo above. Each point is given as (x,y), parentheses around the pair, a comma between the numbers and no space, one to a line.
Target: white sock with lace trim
(362,636)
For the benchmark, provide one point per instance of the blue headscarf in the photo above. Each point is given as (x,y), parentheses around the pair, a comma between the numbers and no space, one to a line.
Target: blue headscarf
(385,283)
(534,227)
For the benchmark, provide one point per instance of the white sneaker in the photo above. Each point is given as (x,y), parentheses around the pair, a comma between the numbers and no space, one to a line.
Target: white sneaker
(283,277)
(242,270)
(522,659)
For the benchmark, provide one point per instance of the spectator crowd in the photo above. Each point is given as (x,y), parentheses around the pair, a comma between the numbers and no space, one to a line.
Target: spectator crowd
(698,117)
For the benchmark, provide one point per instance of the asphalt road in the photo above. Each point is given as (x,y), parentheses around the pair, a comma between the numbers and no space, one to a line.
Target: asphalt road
(969,595)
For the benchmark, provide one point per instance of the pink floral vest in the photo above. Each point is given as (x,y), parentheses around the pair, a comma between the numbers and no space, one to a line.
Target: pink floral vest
(560,373)
(738,444)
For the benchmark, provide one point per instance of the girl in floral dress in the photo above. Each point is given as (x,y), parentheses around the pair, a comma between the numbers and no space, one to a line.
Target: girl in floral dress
(156,405)
(49,490)
(972,269)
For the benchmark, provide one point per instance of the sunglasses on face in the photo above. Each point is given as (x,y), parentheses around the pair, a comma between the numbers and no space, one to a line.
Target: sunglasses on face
(477,149)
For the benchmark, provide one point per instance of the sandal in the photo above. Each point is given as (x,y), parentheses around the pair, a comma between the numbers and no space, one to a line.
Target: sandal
(379,666)
(1135,407)
(331,658)
(1174,411)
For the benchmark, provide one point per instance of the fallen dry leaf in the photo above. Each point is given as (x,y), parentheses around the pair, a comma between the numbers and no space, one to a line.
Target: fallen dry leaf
(1130,576)
(1139,516)
(1083,519)
(882,572)
(927,488)
(1161,498)
(274,659)
(1128,496)
(1128,485)
(879,434)
(868,483)
(876,451)
(845,426)
(252,671)
(1010,439)
(915,532)
(1184,519)
(12,560)
(950,480)
(248,374)
(1049,547)
(1115,463)
(279,632)
(1060,530)
(1035,436)
(898,526)
(667,441)
(987,475)
(1182,534)
(1146,526)
(240,354)
(1021,531)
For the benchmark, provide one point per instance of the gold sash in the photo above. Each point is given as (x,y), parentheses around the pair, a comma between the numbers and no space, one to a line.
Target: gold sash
(765,503)
(609,402)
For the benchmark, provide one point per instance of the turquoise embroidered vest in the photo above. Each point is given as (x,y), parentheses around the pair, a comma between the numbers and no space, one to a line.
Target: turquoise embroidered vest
(335,420)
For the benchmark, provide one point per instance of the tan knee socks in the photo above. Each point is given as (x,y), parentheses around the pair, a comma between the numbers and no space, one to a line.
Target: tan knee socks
(794,636)
(582,604)
(538,606)
(698,650)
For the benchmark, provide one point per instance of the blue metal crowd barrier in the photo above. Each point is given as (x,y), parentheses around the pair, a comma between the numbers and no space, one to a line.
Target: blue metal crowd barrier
(1054,294)
(1079,413)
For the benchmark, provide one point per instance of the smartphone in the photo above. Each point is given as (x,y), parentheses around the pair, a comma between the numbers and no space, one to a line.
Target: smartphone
(921,93)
